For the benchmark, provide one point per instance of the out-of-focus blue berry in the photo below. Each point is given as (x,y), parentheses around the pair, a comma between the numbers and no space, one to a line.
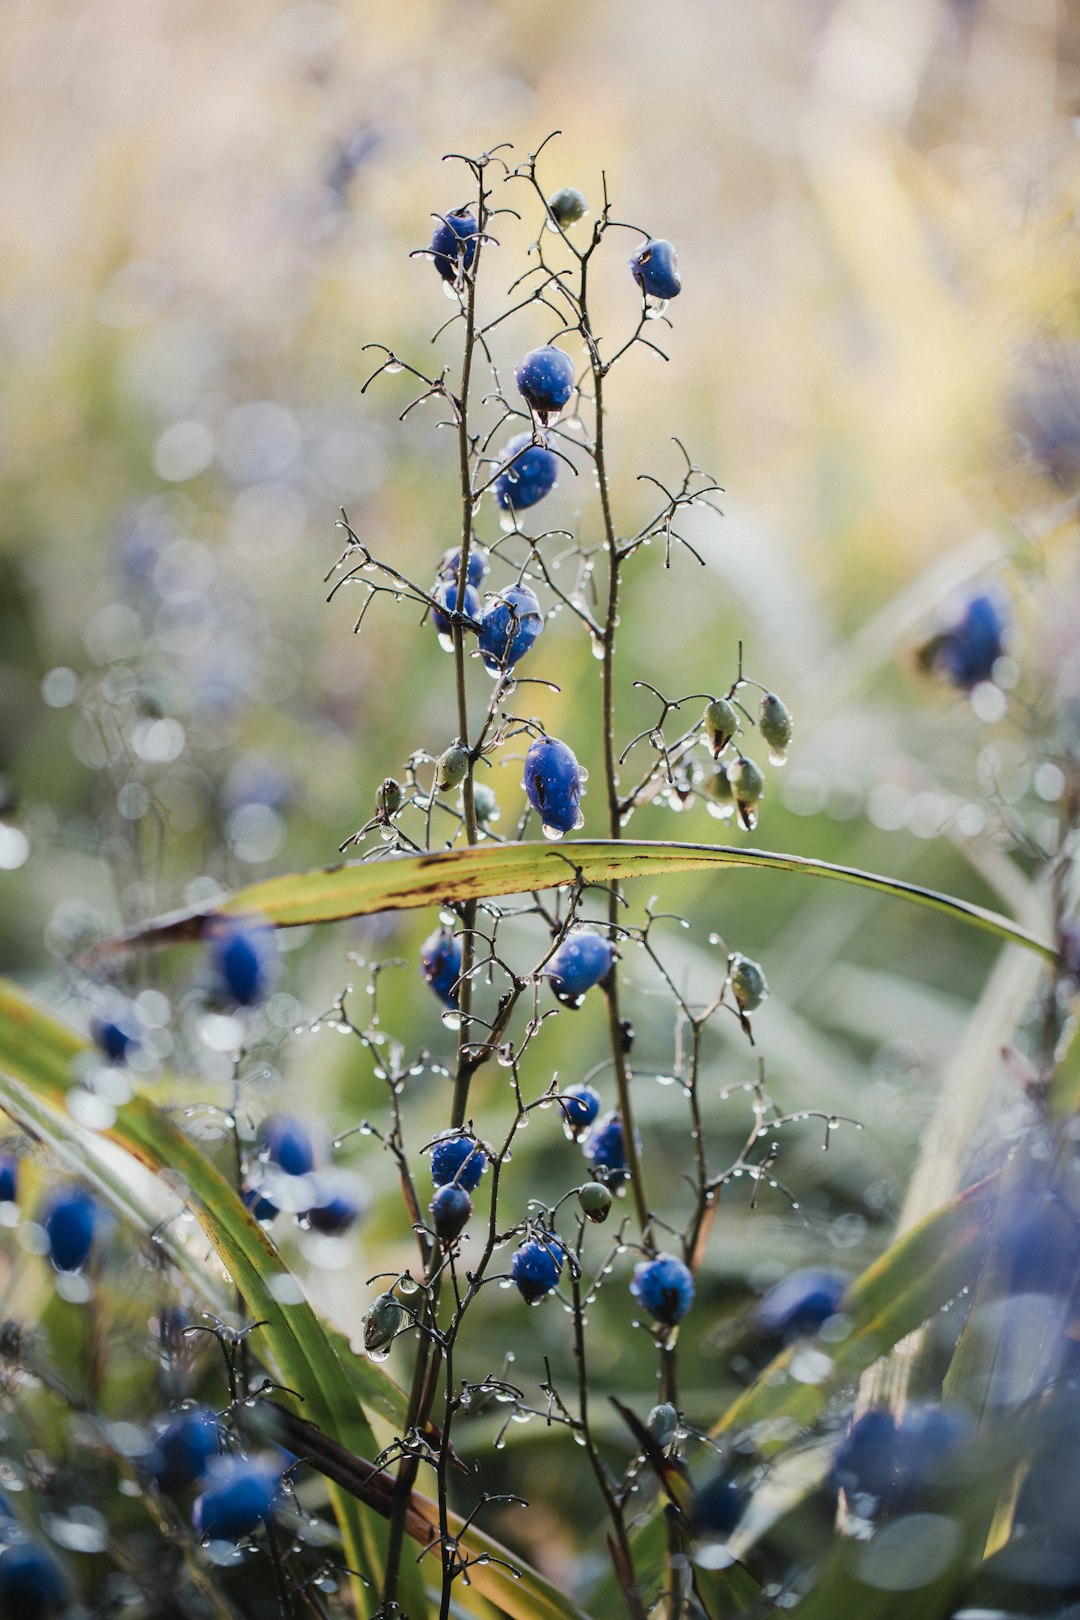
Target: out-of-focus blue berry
(182,1451)
(894,1465)
(238,1499)
(656,269)
(509,626)
(445,593)
(605,1150)
(799,1304)
(9,1178)
(664,1287)
(969,649)
(717,1507)
(32,1586)
(536,1268)
(337,1204)
(545,380)
(287,1142)
(458,1159)
(263,1208)
(528,473)
(70,1221)
(582,960)
(580,1106)
(241,959)
(451,1209)
(553,784)
(450,566)
(115,1032)
(440,963)
(454,243)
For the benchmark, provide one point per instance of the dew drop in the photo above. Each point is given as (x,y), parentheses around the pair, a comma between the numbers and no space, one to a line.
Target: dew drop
(720,812)
(655,308)
(597,650)
(450,291)
(452,1020)
(553,833)
(392,367)
(777,757)
(407,1284)
(379,1355)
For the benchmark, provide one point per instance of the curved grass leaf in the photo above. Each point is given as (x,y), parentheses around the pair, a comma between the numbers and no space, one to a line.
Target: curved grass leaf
(36,1056)
(356,889)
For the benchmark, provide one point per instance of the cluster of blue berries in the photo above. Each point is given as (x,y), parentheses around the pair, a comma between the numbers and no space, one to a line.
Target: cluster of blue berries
(237,1492)
(321,1199)
(884,1466)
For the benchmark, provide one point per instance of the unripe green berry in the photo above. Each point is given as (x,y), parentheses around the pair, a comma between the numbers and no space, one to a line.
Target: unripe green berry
(721,724)
(595,1200)
(452,768)
(747,983)
(383,1319)
(568,205)
(389,798)
(663,1423)
(747,786)
(775,724)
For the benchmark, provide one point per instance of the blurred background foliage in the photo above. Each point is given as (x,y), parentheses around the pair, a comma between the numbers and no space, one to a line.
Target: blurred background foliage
(208,210)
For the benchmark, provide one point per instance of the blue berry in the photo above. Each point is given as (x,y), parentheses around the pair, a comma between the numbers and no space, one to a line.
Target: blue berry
(717,1507)
(553,784)
(655,268)
(238,1500)
(182,1451)
(336,1206)
(9,1178)
(510,624)
(115,1033)
(241,958)
(799,1303)
(454,243)
(70,1221)
(32,1586)
(536,1267)
(582,960)
(866,1463)
(451,1209)
(458,1159)
(260,1206)
(531,476)
(440,963)
(545,380)
(968,651)
(450,565)
(445,593)
(605,1150)
(580,1106)
(895,1465)
(287,1142)
(664,1287)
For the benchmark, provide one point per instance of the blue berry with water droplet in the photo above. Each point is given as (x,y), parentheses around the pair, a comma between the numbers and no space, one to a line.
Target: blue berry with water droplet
(440,963)
(528,473)
(605,1150)
(969,649)
(664,1287)
(450,565)
(451,1210)
(510,624)
(239,1499)
(655,268)
(70,1224)
(799,1304)
(454,243)
(537,1267)
(545,380)
(580,1106)
(336,1205)
(257,1202)
(582,960)
(457,1159)
(554,784)
(445,593)
(289,1143)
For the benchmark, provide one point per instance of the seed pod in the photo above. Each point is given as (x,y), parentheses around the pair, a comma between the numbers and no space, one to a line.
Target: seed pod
(663,1423)
(748,984)
(389,798)
(595,1201)
(721,724)
(747,786)
(382,1320)
(568,205)
(775,725)
(452,767)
